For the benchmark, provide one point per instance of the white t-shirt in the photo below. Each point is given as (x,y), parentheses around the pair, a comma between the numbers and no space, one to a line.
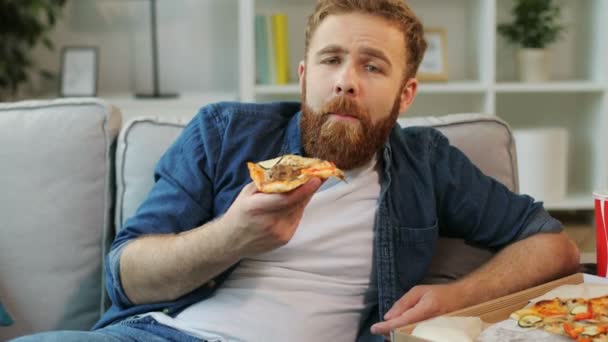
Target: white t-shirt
(318,287)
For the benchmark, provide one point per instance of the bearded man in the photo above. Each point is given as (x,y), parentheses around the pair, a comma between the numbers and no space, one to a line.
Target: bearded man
(207,257)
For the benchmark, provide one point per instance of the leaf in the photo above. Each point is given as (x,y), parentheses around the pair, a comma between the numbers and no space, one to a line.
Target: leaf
(535,23)
(50,15)
(48,43)
(24,24)
(47,75)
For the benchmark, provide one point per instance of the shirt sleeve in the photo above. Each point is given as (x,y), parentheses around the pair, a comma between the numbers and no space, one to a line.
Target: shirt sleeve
(477,207)
(180,200)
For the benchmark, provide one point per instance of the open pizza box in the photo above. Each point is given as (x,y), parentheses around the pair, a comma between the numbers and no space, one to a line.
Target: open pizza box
(500,309)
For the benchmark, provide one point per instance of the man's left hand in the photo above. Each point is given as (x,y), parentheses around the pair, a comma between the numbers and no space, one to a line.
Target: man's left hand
(420,303)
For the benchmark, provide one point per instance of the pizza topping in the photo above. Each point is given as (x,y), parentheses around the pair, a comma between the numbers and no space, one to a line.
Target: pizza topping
(283,172)
(591,330)
(583,316)
(528,321)
(572,331)
(551,307)
(579,309)
(580,319)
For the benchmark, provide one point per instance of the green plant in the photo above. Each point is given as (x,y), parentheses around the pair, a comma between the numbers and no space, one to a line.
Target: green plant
(535,24)
(23,25)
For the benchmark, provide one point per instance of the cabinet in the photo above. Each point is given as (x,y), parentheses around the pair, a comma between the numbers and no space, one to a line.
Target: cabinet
(482,76)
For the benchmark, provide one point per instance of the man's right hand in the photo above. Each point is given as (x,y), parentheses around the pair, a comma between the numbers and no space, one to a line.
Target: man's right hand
(261,222)
(254,223)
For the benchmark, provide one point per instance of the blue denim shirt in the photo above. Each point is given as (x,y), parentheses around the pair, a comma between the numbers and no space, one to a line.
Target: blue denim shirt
(428,188)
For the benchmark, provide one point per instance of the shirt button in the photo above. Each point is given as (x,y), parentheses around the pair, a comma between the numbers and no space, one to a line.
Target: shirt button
(211,284)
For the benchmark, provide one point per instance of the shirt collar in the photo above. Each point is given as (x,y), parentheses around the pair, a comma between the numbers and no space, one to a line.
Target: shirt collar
(292,144)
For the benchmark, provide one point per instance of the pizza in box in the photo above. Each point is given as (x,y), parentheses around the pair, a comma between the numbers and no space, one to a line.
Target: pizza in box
(580,319)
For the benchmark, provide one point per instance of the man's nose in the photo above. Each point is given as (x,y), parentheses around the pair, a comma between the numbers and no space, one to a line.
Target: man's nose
(347,82)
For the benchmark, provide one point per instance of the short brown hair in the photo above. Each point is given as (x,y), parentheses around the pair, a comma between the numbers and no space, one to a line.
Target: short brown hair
(395,11)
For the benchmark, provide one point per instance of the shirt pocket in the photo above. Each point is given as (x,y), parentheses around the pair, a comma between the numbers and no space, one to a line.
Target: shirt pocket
(414,250)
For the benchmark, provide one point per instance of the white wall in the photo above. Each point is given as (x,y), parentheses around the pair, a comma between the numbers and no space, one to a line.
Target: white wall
(198,44)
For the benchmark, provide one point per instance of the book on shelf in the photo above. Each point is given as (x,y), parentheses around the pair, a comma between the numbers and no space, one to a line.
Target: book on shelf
(262,58)
(271,49)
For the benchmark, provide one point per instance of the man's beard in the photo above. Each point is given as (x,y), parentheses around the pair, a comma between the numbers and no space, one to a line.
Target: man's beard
(347,144)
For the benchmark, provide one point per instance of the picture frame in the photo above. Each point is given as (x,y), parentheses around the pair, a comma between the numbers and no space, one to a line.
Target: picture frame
(434,65)
(79,71)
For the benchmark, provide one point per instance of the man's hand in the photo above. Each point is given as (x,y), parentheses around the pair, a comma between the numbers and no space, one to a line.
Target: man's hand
(488,281)
(261,222)
(253,224)
(420,303)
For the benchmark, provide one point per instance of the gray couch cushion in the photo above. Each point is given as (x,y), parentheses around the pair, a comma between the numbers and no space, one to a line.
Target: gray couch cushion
(141,143)
(485,139)
(55,205)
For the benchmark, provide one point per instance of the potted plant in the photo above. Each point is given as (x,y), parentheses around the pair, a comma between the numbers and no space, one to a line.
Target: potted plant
(23,25)
(535,25)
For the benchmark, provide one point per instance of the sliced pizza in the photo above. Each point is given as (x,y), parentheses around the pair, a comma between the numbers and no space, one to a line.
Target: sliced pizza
(288,172)
(583,320)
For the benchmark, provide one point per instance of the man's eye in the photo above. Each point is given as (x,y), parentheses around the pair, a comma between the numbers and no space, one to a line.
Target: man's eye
(332,60)
(372,68)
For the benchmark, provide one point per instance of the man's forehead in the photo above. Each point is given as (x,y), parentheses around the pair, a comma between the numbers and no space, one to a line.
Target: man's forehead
(346,30)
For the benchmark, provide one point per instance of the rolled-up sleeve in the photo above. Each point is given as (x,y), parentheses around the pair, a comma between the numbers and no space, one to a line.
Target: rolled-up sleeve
(180,200)
(113,284)
(477,207)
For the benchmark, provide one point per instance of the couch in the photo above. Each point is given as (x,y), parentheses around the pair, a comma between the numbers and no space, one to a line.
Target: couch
(71,172)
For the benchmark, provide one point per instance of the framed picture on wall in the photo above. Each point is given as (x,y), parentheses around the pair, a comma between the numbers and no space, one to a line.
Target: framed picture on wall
(434,65)
(79,69)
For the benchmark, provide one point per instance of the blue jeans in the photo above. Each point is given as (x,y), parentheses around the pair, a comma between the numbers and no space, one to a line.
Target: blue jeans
(132,329)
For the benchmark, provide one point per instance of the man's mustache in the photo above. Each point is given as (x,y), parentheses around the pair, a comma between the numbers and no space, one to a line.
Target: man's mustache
(343,105)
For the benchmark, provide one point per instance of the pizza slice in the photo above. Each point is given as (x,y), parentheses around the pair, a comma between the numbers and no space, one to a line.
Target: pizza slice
(288,172)
(599,307)
(583,320)
(535,315)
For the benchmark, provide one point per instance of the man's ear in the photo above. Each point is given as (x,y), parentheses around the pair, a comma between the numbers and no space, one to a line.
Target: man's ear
(408,93)
(301,72)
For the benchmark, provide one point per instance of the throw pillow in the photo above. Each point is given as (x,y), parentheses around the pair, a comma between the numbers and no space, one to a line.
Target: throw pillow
(5,319)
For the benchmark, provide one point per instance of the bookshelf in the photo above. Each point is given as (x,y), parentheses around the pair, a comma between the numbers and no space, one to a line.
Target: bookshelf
(482,76)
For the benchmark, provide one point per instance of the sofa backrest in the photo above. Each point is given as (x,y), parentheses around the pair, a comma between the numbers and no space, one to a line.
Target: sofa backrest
(56,211)
(140,145)
(486,140)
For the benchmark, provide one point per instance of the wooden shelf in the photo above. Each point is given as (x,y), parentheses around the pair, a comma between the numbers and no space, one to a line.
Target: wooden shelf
(455,87)
(566,86)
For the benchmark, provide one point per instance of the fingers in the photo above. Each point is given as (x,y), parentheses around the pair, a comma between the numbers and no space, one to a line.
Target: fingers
(416,305)
(283,201)
(416,314)
(249,189)
(407,301)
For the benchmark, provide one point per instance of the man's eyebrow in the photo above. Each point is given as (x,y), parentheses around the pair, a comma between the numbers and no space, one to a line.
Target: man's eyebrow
(375,53)
(369,51)
(331,49)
